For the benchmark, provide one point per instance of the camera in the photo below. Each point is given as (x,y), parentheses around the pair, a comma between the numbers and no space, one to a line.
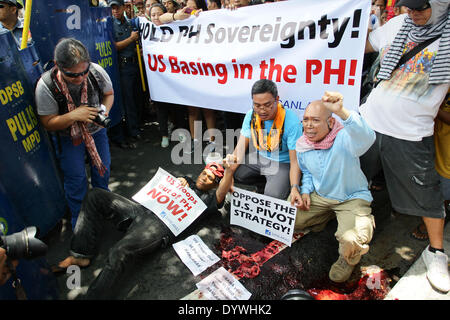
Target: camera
(101,119)
(23,244)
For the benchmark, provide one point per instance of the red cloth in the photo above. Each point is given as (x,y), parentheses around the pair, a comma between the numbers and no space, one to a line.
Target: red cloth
(78,130)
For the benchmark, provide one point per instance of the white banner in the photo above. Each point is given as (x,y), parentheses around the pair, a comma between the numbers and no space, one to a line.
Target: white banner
(267,216)
(222,285)
(175,205)
(195,254)
(212,61)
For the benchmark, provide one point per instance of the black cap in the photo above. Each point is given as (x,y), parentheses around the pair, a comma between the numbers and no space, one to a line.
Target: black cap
(412,4)
(18,4)
(117,2)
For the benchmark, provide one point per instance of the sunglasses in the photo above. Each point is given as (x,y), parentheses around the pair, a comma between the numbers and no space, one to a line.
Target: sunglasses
(425,7)
(74,75)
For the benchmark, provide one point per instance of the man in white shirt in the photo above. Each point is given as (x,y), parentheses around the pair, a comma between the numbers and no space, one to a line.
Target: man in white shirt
(401,110)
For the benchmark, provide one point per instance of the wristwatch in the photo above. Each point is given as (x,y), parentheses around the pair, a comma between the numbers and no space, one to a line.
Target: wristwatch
(296,186)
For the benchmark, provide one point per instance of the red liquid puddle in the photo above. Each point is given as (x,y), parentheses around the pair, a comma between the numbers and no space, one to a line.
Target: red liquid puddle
(372,286)
(248,266)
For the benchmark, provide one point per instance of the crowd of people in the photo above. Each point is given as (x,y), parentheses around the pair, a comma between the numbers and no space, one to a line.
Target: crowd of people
(326,164)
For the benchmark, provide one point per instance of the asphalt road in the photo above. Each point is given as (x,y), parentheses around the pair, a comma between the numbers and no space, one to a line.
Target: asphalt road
(162,275)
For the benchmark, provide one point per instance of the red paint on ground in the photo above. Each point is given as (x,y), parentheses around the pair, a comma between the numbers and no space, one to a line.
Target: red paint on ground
(248,266)
(373,286)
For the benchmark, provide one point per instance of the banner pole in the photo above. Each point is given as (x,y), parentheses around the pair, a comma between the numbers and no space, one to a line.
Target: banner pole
(140,66)
(26,24)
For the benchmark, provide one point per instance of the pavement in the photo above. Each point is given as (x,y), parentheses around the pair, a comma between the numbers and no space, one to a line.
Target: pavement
(414,285)
(162,276)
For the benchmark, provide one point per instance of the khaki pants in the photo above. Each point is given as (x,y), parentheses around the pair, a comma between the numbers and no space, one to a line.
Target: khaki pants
(355,223)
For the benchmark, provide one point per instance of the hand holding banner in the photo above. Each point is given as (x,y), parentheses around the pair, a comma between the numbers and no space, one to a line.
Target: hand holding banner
(306,47)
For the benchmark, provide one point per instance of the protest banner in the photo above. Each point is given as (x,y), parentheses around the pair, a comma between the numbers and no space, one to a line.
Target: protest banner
(222,285)
(175,205)
(195,254)
(304,46)
(264,215)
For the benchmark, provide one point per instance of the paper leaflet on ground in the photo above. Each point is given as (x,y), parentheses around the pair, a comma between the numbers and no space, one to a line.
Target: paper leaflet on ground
(195,254)
(222,285)
(175,205)
(267,216)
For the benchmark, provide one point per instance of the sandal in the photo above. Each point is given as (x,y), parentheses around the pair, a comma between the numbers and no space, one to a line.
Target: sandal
(420,232)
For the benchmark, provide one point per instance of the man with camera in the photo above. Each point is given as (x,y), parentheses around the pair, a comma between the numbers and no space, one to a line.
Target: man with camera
(72,101)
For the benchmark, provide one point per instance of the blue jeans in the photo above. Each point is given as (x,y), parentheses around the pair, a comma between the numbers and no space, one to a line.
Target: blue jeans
(72,162)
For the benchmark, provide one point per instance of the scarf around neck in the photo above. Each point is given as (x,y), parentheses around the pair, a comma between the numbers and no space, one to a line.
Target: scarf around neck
(270,141)
(304,144)
(78,131)
(440,26)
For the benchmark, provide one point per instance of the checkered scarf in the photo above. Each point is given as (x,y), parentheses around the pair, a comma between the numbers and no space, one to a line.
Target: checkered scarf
(441,66)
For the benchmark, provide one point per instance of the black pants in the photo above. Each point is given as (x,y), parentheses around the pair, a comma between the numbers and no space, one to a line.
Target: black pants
(163,111)
(144,233)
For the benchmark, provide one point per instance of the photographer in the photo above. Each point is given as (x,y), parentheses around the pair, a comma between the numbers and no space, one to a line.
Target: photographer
(70,99)
(5,273)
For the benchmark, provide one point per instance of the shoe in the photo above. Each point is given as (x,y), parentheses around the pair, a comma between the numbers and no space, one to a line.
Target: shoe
(165,142)
(340,270)
(437,269)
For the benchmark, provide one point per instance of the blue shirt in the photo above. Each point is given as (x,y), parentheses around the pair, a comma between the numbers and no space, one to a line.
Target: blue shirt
(122,31)
(292,131)
(16,32)
(336,173)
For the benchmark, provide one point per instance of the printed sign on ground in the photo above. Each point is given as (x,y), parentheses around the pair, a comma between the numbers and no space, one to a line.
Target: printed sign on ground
(222,285)
(175,205)
(195,254)
(264,215)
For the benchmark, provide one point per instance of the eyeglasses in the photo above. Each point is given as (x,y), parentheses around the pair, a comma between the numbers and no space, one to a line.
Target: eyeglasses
(74,75)
(425,7)
(265,106)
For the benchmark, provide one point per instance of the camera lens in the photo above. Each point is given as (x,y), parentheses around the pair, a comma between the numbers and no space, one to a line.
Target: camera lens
(24,245)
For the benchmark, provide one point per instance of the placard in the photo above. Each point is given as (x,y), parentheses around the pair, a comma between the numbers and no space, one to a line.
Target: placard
(175,205)
(268,216)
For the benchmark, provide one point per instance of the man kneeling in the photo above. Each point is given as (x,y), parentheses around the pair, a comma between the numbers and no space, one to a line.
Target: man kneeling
(332,182)
(144,231)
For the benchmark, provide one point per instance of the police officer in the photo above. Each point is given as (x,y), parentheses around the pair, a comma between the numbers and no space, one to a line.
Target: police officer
(125,41)
(9,19)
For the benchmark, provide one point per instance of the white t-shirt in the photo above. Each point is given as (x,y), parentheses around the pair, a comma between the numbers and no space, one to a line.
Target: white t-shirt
(404,106)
